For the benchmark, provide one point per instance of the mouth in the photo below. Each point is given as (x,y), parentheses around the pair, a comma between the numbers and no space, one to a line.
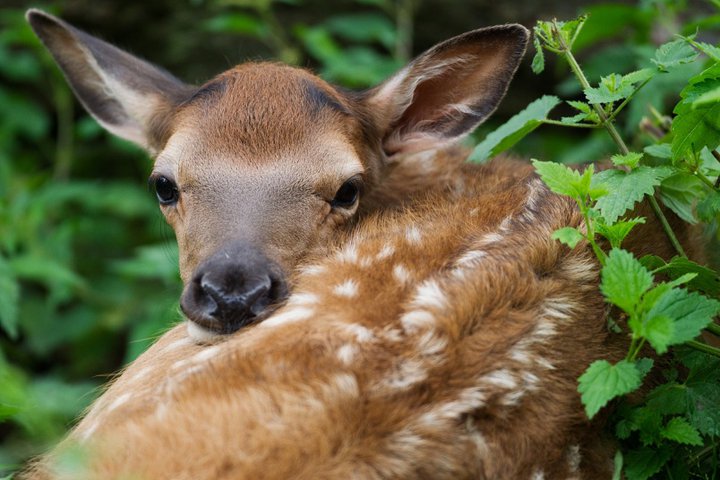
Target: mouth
(205,330)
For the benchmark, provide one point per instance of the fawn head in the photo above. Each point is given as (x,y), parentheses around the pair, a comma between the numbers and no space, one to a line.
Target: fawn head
(266,163)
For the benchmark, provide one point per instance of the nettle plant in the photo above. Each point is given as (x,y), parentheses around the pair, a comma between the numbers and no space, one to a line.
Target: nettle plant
(674,431)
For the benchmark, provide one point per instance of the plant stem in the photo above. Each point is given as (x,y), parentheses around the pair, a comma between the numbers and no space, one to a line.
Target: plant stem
(404,26)
(575,67)
(627,100)
(574,125)
(704,179)
(703,347)
(713,328)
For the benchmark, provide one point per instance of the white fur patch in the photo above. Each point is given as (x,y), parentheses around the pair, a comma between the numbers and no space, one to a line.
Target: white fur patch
(429,294)
(292,315)
(346,353)
(85,434)
(574,458)
(401,273)
(349,289)
(205,354)
(313,270)
(430,344)
(413,235)
(471,258)
(362,334)
(538,475)
(349,254)
(416,320)
(181,342)
(500,378)
(385,252)
(408,373)
(118,401)
(303,299)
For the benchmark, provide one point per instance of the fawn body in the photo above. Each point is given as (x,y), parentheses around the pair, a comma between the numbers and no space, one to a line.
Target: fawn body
(432,330)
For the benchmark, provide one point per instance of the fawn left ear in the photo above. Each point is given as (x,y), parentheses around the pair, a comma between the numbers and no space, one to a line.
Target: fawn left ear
(447,91)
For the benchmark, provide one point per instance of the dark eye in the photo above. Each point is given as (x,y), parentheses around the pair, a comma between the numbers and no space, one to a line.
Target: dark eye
(347,194)
(166,190)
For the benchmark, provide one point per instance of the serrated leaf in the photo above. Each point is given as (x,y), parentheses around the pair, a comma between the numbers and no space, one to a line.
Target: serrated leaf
(708,209)
(639,76)
(679,192)
(624,279)
(674,54)
(568,235)
(617,232)
(603,381)
(659,332)
(515,129)
(709,50)
(705,280)
(559,178)
(690,312)
(631,159)
(610,89)
(627,188)
(538,61)
(645,462)
(660,150)
(679,430)
(696,126)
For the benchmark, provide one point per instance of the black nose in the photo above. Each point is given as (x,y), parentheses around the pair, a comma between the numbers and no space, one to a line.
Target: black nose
(232,289)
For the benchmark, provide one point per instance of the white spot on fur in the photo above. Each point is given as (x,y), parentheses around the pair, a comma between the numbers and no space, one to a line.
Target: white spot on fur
(538,475)
(513,398)
(346,384)
(313,270)
(505,224)
(471,258)
(303,299)
(408,373)
(574,458)
(119,400)
(412,234)
(489,238)
(140,374)
(346,353)
(181,342)
(349,254)
(365,262)
(362,334)
(348,288)
(580,271)
(386,252)
(401,273)
(416,320)
(544,363)
(500,378)
(429,294)
(85,434)
(431,344)
(205,354)
(288,316)
(467,401)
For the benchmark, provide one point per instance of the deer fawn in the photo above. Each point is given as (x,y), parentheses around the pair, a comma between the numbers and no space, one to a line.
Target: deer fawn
(397,312)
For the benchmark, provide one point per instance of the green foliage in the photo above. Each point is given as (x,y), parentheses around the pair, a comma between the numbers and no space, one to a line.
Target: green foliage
(665,304)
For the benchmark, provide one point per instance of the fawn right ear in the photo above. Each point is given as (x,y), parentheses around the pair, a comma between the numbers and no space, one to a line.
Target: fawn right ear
(447,91)
(128,96)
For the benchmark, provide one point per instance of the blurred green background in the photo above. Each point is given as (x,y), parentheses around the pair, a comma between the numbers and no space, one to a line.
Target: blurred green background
(88,268)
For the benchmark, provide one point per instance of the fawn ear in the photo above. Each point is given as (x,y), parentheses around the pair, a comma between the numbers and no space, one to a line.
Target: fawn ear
(128,96)
(448,90)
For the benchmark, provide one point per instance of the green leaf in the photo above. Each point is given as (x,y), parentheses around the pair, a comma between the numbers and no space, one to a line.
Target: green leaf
(674,54)
(9,299)
(696,126)
(603,381)
(659,332)
(238,23)
(627,188)
(690,312)
(617,465)
(610,89)
(624,280)
(538,61)
(708,209)
(617,232)
(679,430)
(631,159)
(645,462)
(706,280)
(679,192)
(515,129)
(568,235)
(559,178)
(660,150)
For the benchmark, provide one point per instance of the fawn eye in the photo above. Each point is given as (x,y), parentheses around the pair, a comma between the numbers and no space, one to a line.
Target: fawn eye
(347,194)
(166,190)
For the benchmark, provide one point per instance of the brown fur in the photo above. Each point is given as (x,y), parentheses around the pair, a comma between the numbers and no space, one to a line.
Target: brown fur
(434,330)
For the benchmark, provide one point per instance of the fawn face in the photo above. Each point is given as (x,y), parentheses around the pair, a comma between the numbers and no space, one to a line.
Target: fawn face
(266,164)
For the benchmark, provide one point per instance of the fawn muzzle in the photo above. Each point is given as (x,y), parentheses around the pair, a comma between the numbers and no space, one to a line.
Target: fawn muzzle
(233,288)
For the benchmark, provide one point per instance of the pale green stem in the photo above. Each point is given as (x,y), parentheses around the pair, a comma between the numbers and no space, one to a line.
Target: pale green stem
(703,348)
